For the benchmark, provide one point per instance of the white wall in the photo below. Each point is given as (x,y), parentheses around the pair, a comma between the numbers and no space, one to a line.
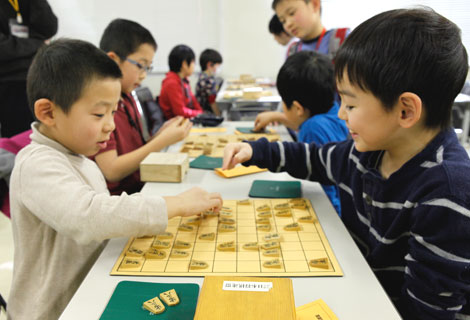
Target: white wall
(236,28)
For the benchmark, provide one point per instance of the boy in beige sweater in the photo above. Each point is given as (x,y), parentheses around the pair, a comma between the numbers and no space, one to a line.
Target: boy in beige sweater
(62,212)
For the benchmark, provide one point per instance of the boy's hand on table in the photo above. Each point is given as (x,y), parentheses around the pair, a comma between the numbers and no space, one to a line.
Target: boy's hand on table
(264,119)
(192,202)
(235,153)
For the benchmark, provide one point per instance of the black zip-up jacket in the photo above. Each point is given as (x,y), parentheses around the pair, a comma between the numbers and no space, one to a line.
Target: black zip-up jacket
(16,53)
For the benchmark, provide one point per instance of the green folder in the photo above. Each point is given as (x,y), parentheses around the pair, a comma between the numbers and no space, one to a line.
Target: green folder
(129,296)
(275,189)
(249,130)
(205,162)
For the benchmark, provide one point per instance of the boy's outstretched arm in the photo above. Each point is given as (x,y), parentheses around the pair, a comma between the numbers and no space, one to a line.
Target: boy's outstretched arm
(235,153)
(116,167)
(191,202)
(266,118)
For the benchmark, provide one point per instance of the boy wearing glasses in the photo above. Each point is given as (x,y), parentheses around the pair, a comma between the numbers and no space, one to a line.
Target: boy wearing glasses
(132,47)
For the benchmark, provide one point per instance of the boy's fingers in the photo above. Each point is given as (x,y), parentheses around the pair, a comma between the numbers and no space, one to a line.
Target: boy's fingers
(228,154)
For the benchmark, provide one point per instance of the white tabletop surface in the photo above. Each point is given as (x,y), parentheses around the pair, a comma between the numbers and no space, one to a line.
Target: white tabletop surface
(356,295)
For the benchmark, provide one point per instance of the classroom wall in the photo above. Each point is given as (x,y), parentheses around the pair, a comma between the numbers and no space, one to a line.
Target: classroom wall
(236,28)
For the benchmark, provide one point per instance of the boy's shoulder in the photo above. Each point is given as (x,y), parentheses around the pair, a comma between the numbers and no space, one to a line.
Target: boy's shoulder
(324,127)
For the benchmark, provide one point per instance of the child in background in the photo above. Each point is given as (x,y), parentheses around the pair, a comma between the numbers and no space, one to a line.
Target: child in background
(176,97)
(206,88)
(62,212)
(404,178)
(302,19)
(306,84)
(280,35)
(132,47)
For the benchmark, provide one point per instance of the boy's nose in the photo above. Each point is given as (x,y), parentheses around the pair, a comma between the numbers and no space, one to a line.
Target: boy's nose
(109,126)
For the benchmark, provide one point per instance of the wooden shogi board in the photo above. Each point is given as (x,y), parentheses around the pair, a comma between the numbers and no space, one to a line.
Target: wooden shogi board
(213,145)
(297,248)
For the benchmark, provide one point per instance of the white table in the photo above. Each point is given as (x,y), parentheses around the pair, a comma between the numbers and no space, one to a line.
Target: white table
(356,295)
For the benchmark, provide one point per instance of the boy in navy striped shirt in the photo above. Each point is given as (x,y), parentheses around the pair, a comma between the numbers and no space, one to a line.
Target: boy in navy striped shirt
(404,179)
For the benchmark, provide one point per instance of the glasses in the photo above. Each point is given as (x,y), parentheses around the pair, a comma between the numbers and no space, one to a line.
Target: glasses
(140,66)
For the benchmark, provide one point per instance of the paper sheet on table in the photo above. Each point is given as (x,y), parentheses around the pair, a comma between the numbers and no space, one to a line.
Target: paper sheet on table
(238,171)
(315,310)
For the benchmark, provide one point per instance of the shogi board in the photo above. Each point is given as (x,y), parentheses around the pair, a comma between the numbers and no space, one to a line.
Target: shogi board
(213,145)
(297,248)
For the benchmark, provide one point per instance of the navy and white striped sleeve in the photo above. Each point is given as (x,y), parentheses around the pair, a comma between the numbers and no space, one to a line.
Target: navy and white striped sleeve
(300,160)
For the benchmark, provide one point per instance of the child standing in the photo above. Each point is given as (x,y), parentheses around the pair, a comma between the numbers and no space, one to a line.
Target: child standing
(306,84)
(62,212)
(404,177)
(132,47)
(302,19)
(176,97)
(206,88)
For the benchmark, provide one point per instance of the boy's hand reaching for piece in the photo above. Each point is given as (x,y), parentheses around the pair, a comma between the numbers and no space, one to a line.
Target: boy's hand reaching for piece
(176,130)
(193,201)
(235,153)
(263,119)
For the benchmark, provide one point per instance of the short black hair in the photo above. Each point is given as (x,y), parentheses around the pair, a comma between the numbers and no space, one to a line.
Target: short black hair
(179,54)
(308,78)
(276,2)
(60,71)
(407,50)
(209,55)
(124,37)
(275,26)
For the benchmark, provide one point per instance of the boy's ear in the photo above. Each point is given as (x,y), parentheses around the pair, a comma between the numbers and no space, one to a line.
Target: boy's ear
(299,110)
(113,55)
(44,110)
(410,108)
(316,5)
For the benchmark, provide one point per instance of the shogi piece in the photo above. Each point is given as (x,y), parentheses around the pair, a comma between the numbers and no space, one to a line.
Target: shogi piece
(154,305)
(164,167)
(170,297)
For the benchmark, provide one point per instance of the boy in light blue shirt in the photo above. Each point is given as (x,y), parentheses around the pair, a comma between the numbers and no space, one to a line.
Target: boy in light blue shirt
(307,88)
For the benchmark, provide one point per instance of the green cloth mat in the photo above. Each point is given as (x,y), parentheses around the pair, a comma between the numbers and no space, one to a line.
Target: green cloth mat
(249,130)
(205,162)
(129,296)
(275,189)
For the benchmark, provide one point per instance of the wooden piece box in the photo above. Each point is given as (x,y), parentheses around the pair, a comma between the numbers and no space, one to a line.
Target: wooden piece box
(216,303)
(164,167)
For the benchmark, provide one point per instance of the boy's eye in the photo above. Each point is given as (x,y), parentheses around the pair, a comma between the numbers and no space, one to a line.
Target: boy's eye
(98,115)
(349,107)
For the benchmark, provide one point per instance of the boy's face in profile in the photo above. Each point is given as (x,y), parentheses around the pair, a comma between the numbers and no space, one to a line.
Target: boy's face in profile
(298,18)
(283,38)
(187,69)
(371,126)
(86,128)
(293,114)
(133,75)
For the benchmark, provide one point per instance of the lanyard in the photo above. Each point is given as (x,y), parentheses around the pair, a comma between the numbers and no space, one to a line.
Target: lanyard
(16,7)
(320,39)
(133,123)
(317,46)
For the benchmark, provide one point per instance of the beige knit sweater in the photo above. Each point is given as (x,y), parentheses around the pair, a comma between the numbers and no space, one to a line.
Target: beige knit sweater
(62,214)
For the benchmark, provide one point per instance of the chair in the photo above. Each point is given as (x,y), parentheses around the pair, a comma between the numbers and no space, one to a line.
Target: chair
(9,147)
(151,113)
